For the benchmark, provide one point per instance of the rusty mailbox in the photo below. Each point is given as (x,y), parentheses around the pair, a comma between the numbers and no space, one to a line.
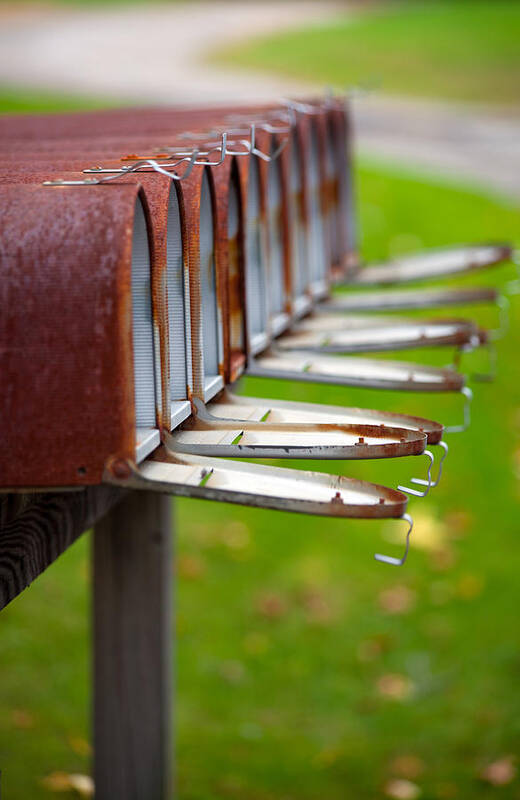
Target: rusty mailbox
(200,252)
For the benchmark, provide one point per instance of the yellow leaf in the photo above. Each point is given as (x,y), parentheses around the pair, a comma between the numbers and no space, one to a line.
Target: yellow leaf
(397,599)
(402,789)
(395,686)
(80,746)
(500,772)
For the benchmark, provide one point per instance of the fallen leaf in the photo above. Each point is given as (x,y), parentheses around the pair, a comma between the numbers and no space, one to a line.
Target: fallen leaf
(395,686)
(191,567)
(371,649)
(317,607)
(83,785)
(470,586)
(443,558)
(236,535)
(57,782)
(407,766)
(80,746)
(271,605)
(499,772)
(21,718)
(232,671)
(402,789)
(459,522)
(397,599)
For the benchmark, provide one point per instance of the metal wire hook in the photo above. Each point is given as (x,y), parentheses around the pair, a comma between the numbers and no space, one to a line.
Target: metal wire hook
(398,562)
(302,108)
(468,397)
(210,148)
(421,481)
(141,164)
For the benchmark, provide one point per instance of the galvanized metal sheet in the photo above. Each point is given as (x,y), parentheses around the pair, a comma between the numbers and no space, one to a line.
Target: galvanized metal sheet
(407,299)
(346,371)
(209,316)
(317,250)
(147,368)
(433,264)
(176,301)
(299,251)
(261,486)
(275,231)
(256,289)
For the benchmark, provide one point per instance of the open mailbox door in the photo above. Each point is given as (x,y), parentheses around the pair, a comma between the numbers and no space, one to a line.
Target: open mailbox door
(432,265)
(406,299)
(328,333)
(264,487)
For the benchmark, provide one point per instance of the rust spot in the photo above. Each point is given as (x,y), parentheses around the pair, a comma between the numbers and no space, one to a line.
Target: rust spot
(120,469)
(337,499)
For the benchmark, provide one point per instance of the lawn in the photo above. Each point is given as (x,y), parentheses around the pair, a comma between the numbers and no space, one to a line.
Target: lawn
(305,669)
(14,100)
(458,50)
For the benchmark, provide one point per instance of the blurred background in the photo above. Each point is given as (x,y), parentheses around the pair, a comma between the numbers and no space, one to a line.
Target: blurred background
(304,668)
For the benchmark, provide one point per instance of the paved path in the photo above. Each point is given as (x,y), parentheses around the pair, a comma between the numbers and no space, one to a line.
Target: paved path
(156,54)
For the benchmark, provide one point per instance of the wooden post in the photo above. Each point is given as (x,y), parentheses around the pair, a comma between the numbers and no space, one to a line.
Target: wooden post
(133,570)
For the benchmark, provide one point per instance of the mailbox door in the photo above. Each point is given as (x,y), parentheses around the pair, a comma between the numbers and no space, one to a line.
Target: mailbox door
(433,265)
(244,408)
(338,334)
(248,439)
(263,486)
(354,371)
(406,299)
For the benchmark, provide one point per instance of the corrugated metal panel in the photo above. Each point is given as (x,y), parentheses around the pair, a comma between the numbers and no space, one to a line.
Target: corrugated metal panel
(176,301)
(142,324)
(316,233)
(332,195)
(236,329)
(299,266)
(274,200)
(255,277)
(208,281)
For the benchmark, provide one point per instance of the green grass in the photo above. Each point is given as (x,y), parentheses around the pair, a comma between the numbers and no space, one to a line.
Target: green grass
(456,50)
(282,637)
(21,101)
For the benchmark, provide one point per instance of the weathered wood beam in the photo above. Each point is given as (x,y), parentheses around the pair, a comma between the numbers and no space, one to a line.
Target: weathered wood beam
(133,576)
(36,528)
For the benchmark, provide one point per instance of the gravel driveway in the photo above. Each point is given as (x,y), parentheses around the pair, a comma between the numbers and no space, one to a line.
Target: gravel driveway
(156,54)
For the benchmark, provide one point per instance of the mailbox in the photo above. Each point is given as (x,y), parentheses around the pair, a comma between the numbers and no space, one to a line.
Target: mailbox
(208,254)
(77,333)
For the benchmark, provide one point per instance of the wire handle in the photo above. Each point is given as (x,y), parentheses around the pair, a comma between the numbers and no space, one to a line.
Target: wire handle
(468,397)
(421,481)
(398,562)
